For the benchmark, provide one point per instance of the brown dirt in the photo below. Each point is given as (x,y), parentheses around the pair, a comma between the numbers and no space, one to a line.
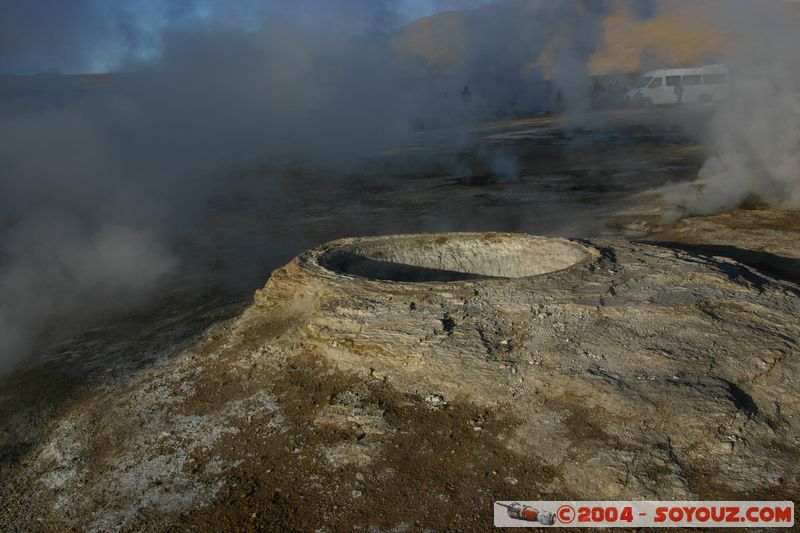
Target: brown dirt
(285,484)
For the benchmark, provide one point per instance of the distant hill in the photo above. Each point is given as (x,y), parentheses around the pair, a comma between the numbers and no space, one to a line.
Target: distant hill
(669,32)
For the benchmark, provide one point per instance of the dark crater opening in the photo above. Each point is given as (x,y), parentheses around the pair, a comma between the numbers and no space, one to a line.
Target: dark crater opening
(366,267)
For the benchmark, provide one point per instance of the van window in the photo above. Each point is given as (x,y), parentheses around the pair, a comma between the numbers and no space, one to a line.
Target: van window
(656,83)
(643,82)
(694,79)
(672,81)
(714,79)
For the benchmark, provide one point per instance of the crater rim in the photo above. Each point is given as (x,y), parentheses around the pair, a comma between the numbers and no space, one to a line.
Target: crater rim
(451,257)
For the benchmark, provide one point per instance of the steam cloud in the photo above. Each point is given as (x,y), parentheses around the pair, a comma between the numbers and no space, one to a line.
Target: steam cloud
(98,189)
(503,45)
(754,138)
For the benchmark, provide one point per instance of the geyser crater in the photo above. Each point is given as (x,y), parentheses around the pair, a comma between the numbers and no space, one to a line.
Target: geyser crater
(448,257)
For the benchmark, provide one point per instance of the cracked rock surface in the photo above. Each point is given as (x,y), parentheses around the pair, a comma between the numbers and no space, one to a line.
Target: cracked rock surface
(428,375)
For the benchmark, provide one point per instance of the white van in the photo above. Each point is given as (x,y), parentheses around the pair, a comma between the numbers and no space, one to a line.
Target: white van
(680,86)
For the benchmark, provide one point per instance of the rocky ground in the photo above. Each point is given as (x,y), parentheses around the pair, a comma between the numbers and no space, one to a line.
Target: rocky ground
(404,384)
(350,397)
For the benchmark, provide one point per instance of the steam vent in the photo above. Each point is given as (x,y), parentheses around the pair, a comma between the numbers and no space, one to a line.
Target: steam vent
(424,376)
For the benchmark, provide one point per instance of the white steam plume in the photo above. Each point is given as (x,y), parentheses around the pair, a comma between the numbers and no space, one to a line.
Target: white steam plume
(755,136)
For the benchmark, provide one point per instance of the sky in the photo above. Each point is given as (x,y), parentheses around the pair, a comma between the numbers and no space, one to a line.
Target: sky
(89,36)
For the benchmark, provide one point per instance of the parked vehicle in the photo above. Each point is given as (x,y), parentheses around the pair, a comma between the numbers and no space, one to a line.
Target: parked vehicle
(680,86)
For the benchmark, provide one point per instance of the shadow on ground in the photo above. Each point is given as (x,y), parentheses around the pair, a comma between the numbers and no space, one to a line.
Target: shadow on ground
(776,266)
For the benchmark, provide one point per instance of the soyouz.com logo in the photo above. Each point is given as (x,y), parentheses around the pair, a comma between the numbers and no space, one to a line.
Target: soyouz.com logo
(644,514)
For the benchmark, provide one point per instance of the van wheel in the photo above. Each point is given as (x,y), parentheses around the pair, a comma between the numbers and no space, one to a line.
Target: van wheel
(705,99)
(647,103)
